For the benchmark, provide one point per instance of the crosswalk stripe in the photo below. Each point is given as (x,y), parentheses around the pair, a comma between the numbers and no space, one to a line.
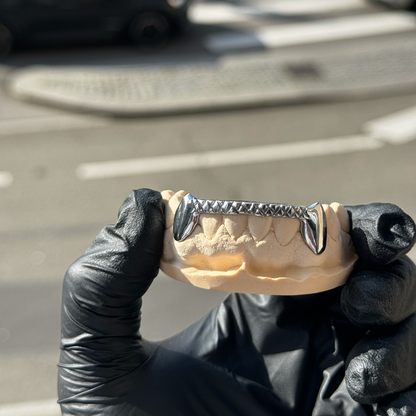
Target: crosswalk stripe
(313,6)
(217,13)
(312,32)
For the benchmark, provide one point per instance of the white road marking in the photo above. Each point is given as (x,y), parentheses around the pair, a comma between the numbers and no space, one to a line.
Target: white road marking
(395,128)
(27,125)
(38,408)
(313,6)
(312,32)
(229,157)
(6,179)
(217,13)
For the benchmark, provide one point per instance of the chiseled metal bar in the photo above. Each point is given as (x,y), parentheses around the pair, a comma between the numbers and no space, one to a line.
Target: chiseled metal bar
(312,219)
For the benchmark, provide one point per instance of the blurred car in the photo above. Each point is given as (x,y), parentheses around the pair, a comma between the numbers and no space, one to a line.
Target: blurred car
(146,22)
(399,4)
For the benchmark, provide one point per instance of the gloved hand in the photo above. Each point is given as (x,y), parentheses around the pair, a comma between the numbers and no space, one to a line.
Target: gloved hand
(380,296)
(254,354)
(101,304)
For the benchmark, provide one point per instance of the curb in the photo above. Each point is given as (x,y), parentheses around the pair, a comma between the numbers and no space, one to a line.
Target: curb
(233,82)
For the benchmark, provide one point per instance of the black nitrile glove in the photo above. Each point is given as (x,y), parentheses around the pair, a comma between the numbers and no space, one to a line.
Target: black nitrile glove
(101,305)
(381,297)
(253,355)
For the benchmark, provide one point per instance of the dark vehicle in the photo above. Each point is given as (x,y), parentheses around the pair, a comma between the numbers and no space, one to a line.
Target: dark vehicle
(146,22)
(399,4)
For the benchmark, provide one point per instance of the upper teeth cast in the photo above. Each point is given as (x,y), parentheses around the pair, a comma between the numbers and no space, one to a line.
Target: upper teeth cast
(312,219)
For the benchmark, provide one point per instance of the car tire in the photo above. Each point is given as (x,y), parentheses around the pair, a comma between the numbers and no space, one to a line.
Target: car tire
(6,40)
(150,30)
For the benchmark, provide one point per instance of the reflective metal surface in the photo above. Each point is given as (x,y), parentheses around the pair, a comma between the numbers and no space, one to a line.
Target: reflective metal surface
(314,229)
(186,218)
(313,220)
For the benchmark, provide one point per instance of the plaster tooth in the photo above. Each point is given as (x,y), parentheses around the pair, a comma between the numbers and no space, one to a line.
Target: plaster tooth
(169,215)
(285,229)
(235,224)
(342,215)
(168,254)
(166,195)
(332,223)
(210,224)
(259,226)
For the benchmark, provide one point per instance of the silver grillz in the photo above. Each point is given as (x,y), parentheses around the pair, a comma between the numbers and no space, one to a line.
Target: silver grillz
(312,219)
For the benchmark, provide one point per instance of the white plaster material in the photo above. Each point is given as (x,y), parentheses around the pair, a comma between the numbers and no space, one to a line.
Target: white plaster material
(248,254)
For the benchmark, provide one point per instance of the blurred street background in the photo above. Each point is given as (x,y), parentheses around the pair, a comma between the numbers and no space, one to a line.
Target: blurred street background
(325,107)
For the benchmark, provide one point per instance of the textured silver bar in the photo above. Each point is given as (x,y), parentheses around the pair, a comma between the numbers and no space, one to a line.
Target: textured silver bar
(259,209)
(312,218)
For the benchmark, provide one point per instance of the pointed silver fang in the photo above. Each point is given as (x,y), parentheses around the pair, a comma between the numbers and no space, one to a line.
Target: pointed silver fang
(186,218)
(313,220)
(313,229)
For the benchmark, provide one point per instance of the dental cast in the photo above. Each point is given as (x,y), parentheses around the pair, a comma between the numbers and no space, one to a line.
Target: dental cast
(248,254)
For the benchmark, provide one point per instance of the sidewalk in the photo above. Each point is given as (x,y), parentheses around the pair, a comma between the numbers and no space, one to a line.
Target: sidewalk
(257,79)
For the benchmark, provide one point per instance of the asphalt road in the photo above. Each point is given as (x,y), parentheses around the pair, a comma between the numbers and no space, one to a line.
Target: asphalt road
(48,215)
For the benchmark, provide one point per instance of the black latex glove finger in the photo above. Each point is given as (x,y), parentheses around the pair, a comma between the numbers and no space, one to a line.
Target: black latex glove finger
(383,362)
(101,301)
(402,405)
(134,245)
(117,268)
(381,295)
(380,232)
(382,289)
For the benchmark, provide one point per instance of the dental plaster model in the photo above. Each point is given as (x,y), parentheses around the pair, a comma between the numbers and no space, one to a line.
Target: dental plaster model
(248,247)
